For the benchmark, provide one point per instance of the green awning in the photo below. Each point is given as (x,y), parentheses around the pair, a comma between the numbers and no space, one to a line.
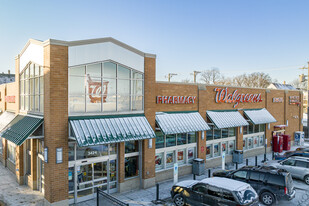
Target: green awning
(21,127)
(93,131)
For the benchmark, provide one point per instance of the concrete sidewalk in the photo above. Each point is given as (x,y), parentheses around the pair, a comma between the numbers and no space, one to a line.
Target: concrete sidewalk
(11,193)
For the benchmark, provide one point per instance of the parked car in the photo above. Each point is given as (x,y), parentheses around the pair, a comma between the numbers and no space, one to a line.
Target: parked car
(297,166)
(214,191)
(272,184)
(303,149)
(299,153)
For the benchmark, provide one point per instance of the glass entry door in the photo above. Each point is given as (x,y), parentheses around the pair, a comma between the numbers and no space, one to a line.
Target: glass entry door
(90,176)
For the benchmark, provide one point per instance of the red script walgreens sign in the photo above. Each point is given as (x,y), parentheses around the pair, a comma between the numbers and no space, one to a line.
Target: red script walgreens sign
(223,95)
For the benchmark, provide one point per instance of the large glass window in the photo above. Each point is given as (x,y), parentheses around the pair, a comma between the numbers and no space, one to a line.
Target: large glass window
(159,140)
(131,159)
(32,88)
(11,152)
(105,87)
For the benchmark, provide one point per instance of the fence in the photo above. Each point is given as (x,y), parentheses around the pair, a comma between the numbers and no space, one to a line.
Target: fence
(104,199)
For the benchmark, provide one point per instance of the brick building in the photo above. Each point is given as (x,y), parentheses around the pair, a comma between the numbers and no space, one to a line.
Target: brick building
(87,114)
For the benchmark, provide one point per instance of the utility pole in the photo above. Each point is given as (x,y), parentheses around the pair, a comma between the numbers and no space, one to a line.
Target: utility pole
(170,75)
(302,79)
(194,75)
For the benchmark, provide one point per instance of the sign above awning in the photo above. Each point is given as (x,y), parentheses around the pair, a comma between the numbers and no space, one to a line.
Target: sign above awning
(21,127)
(226,119)
(94,131)
(259,116)
(181,122)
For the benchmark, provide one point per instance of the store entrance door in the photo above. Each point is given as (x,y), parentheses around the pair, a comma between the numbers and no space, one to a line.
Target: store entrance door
(40,174)
(90,176)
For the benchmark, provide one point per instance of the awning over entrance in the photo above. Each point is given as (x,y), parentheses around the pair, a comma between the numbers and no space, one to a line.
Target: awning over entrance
(94,131)
(181,122)
(21,127)
(260,116)
(227,119)
(5,119)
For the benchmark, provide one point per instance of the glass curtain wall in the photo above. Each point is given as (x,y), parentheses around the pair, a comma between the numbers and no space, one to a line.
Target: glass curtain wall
(32,88)
(105,87)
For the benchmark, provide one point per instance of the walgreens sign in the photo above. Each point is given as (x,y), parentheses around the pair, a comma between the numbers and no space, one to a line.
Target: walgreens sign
(223,95)
(176,99)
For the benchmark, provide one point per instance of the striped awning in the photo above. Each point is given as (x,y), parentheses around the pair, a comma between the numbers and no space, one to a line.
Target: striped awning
(259,116)
(181,122)
(21,127)
(226,119)
(95,131)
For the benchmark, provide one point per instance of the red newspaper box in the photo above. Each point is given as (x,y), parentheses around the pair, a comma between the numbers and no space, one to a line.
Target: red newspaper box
(278,144)
(286,142)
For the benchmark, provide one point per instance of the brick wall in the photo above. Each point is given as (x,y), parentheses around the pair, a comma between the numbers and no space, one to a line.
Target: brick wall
(56,121)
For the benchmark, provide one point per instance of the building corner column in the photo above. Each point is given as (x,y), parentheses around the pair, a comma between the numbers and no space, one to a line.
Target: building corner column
(19,164)
(56,122)
(239,138)
(148,154)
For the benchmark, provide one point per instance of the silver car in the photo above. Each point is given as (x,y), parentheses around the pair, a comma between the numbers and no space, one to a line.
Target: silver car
(297,166)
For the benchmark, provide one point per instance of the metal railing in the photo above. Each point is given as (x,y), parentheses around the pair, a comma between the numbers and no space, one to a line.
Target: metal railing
(107,199)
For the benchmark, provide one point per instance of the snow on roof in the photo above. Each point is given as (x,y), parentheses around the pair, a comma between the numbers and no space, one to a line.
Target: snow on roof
(283,86)
(226,183)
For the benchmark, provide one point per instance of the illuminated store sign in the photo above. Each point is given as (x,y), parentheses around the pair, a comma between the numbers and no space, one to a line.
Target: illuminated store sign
(10,99)
(278,99)
(176,99)
(223,95)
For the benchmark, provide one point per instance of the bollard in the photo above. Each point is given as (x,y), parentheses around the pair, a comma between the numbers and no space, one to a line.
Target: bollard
(236,166)
(209,173)
(157,195)
(247,162)
(194,177)
(98,197)
(255,160)
(272,156)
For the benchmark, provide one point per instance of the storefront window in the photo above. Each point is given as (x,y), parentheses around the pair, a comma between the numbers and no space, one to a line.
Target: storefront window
(255,142)
(182,139)
(245,130)
(92,151)
(192,137)
(262,127)
(131,146)
(71,152)
(232,132)
(131,167)
(225,133)
(244,143)
(170,140)
(11,152)
(159,161)
(32,88)
(261,141)
(224,147)
(231,147)
(105,87)
(181,156)
(217,134)
(209,134)
(216,150)
(159,140)
(251,128)
(250,143)
(208,151)
(170,159)
(191,154)
(113,149)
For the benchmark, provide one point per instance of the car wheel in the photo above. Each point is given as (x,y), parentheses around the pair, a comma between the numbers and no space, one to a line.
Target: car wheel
(306,179)
(179,200)
(267,198)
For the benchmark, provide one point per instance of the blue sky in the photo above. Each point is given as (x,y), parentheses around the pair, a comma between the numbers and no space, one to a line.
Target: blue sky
(235,36)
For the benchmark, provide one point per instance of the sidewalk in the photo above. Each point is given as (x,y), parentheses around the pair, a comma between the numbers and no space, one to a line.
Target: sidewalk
(11,193)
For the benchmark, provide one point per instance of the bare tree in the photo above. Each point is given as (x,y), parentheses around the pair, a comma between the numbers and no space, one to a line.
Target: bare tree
(256,80)
(186,80)
(211,76)
(300,85)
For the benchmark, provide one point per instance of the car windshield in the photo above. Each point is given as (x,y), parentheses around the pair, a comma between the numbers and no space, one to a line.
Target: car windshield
(246,195)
